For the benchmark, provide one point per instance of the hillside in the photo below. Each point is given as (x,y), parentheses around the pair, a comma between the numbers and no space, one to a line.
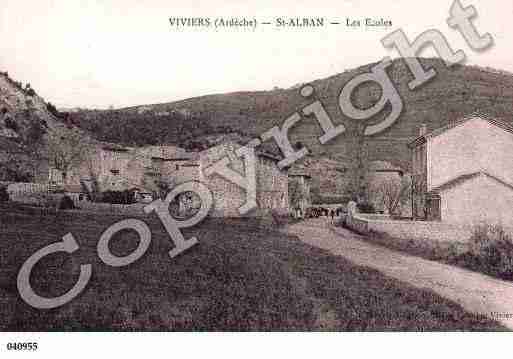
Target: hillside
(453,93)
(16,98)
(26,122)
(200,122)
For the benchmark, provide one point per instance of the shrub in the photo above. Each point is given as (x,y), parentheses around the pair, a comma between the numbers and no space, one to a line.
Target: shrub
(29,90)
(66,203)
(491,252)
(4,195)
(11,124)
(35,132)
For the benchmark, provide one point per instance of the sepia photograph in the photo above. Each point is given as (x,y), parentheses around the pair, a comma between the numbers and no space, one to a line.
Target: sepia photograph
(241,167)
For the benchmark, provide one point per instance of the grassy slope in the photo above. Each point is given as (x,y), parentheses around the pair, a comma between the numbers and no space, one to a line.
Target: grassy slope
(240,278)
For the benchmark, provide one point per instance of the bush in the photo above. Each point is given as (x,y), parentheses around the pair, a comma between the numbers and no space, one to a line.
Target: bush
(491,252)
(31,92)
(4,195)
(66,203)
(11,124)
(35,132)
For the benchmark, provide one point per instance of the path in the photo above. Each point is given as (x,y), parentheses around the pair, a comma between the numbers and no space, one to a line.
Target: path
(475,292)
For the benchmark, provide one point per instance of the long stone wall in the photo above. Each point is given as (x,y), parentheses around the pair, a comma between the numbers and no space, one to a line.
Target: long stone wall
(409,230)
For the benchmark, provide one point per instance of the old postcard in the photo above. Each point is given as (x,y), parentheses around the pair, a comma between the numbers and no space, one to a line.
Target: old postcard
(327,166)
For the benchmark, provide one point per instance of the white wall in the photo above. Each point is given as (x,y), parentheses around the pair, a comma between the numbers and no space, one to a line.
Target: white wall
(476,145)
(478,199)
(454,153)
(495,148)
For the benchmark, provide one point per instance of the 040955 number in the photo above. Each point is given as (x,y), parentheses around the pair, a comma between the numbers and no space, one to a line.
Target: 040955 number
(22,346)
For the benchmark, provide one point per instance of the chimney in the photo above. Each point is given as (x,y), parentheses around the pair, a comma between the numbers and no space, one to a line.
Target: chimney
(422,129)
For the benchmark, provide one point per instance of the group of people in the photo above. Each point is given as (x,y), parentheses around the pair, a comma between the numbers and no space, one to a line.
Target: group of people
(317,212)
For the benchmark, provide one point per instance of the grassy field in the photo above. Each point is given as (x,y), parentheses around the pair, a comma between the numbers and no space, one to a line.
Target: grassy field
(239,277)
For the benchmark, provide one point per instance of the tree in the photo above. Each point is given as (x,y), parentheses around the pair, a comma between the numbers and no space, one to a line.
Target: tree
(66,151)
(358,171)
(418,190)
(392,193)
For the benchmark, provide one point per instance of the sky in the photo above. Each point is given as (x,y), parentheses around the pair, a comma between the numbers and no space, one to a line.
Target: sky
(101,53)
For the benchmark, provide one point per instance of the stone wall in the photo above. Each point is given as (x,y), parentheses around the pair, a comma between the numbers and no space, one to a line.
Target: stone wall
(409,230)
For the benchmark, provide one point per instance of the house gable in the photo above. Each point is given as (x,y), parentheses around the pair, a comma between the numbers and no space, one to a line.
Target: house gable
(475,145)
(476,198)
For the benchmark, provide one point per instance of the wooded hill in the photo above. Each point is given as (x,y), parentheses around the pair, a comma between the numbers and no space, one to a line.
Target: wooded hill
(451,94)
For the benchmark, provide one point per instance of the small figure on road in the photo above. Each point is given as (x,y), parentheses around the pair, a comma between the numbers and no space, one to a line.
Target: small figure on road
(352,208)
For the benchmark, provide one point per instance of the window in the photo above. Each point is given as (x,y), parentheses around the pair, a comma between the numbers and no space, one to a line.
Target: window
(114,172)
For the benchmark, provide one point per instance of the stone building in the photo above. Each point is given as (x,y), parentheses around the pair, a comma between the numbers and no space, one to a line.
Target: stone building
(464,172)
(272,183)
(118,168)
(114,168)
(175,169)
(178,169)
(154,170)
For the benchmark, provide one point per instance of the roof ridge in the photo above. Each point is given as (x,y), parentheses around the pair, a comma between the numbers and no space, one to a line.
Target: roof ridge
(476,114)
(469,175)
